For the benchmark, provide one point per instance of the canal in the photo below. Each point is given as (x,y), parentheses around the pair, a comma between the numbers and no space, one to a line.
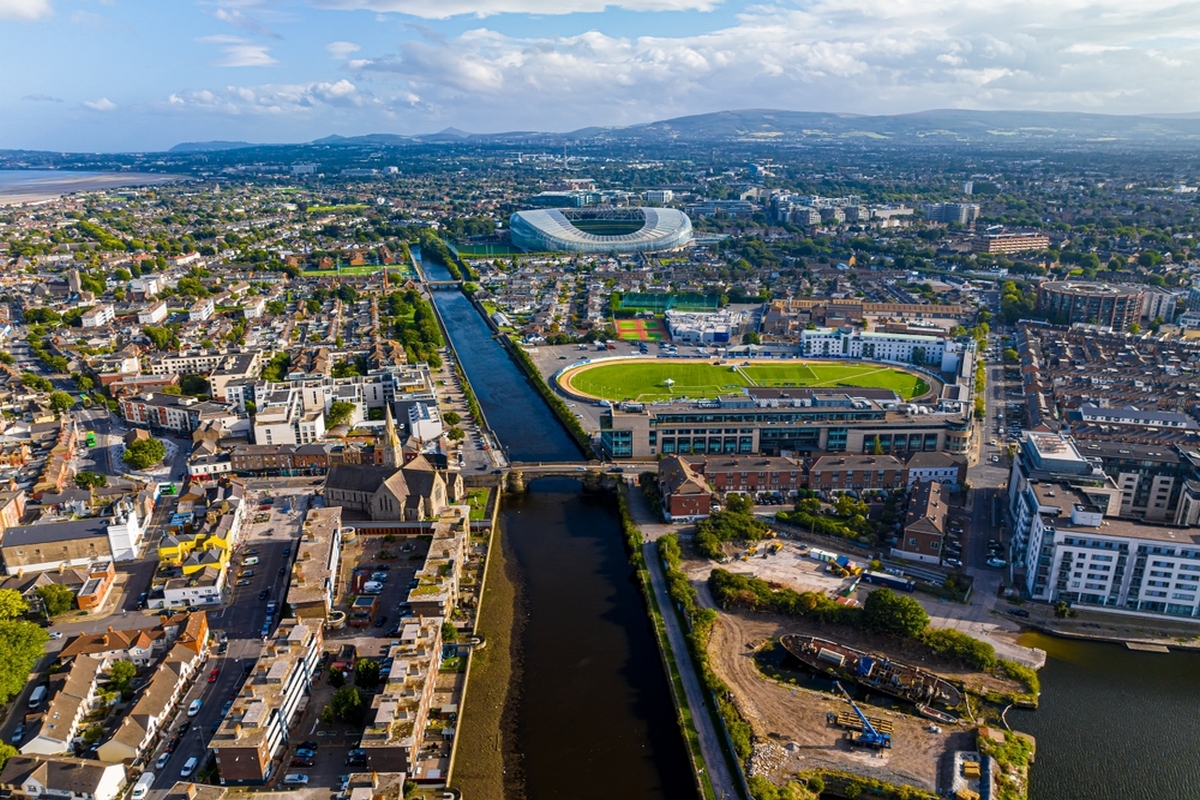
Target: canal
(592,711)
(516,413)
(1113,724)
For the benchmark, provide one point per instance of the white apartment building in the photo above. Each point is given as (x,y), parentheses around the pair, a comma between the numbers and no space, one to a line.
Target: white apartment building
(98,316)
(202,309)
(146,286)
(153,314)
(192,362)
(254,307)
(658,196)
(283,419)
(939,353)
(424,421)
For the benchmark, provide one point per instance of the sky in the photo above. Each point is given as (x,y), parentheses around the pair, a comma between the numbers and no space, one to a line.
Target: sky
(143,75)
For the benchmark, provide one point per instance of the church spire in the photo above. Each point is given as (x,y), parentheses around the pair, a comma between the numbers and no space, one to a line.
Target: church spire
(392,455)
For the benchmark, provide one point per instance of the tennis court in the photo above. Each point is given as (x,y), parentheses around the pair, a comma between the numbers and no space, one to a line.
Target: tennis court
(644,330)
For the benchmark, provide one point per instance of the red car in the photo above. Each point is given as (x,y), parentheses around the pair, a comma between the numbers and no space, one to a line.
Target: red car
(212,676)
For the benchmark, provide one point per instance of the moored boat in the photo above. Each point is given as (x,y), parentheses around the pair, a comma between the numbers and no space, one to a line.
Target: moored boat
(933,713)
(873,671)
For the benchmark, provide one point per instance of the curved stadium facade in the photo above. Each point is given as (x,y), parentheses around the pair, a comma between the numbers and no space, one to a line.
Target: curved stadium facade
(619,230)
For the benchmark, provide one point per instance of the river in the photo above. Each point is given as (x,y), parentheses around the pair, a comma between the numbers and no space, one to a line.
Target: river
(1113,724)
(591,709)
(593,712)
(515,412)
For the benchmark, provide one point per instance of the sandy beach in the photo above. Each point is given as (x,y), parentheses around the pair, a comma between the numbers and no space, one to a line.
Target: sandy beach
(45,187)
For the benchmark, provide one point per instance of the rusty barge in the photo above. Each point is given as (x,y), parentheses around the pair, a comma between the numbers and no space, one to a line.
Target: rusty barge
(872,671)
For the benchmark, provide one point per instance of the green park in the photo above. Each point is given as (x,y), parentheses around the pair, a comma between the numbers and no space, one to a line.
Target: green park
(656,379)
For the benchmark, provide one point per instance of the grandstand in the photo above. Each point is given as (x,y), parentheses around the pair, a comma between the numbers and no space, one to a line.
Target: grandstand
(600,230)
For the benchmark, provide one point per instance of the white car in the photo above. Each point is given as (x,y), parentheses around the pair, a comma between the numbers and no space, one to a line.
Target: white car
(55,634)
(295,779)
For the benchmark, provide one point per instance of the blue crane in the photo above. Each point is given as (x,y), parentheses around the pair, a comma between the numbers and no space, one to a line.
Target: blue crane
(869,736)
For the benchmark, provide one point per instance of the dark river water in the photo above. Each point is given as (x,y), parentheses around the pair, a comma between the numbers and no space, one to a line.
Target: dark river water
(516,413)
(1114,724)
(593,712)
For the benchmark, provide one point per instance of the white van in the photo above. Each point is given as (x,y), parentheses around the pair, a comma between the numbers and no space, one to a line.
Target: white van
(189,767)
(372,587)
(143,785)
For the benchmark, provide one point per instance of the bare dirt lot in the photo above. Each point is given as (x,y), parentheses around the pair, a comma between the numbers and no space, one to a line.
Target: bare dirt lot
(793,719)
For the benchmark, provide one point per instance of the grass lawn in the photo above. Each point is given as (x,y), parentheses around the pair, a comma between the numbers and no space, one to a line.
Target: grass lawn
(477,499)
(645,380)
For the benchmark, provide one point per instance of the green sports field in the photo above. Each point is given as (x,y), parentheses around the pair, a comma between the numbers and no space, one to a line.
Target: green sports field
(646,380)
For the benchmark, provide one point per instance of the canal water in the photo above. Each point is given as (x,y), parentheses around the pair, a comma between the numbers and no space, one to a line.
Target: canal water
(592,712)
(516,413)
(1113,724)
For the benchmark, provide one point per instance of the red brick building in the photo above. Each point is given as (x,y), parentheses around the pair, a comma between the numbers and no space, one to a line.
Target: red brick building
(924,524)
(685,494)
(838,473)
(754,475)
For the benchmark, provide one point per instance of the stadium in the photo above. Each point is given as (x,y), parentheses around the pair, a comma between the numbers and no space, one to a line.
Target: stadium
(595,230)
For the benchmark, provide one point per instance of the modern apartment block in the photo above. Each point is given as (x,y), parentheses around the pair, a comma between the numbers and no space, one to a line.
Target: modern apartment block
(253,736)
(399,714)
(937,353)
(314,573)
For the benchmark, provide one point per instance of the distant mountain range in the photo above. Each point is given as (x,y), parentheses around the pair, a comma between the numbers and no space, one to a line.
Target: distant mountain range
(765,125)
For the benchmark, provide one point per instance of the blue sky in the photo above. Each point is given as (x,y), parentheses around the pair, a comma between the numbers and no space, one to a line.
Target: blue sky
(147,74)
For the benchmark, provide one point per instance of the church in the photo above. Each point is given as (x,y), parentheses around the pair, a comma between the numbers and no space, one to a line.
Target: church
(396,491)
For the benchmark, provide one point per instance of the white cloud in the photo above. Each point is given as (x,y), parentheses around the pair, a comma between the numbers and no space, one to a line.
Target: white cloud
(866,56)
(239,52)
(103,104)
(42,98)
(240,19)
(274,99)
(444,9)
(342,50)
(25,9)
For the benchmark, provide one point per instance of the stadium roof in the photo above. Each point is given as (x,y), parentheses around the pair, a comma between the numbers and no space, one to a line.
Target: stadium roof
(551,229)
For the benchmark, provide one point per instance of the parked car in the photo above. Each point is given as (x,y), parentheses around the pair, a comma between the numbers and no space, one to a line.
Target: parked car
(1018,612)
(295,779)
(162,761)
(301,761)
(381,621)
(189,767)
(264,594)
(310,745)
(997,563)
(18,733)
(194,708)
(214,674)
(953,562)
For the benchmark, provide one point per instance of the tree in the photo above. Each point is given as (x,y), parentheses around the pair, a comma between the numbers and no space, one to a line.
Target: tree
(366,673)
(7,751)
(56,598)
(1011,356)
(172,389)
(276,307)
(449,632)
(337,678)
(12,605)
(90,480)
(348,706)
(194,385)
(454,434)
(451,418)
(120,674)
(158,336)
(22,644)
(886,612)
(61,402)
(36,382)
(84,383)
(144,453)
(339,413)
(751,337)
(877,449)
